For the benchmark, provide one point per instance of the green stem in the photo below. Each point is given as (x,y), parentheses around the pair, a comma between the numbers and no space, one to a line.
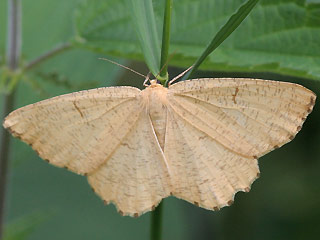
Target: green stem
(47,55)
(8,103)
(156,223)
(165,43)
(13,59)
(156,215)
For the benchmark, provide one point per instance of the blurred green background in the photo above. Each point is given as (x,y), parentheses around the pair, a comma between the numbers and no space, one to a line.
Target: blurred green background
(282,204)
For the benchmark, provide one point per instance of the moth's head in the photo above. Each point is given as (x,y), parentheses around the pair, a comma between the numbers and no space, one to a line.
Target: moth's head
(154,83)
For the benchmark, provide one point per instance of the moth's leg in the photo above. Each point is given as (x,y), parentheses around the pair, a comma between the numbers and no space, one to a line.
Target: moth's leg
(179,76)
(146,80)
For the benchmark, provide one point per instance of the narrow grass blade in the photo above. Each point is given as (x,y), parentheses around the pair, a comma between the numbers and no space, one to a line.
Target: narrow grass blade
(234,21)
(165,42)
(144,22)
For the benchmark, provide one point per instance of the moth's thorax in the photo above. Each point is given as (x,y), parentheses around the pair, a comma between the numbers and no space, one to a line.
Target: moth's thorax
(155,97)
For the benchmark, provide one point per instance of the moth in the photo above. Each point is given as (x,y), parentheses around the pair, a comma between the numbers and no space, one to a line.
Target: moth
(198,140)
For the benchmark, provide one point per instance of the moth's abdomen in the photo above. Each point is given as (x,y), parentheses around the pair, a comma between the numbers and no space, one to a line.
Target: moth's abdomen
(156,99)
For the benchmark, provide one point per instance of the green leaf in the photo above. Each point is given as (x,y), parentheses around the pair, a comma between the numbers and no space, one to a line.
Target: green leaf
(8,79)
(60,80)
(232,24)
(279,36)
(164,77)
(120,28)
(22,227)
(144,23)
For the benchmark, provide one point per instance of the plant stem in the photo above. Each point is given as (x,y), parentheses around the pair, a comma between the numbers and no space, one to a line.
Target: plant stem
(156,215)
(165,42)
(156,223)
(47,55)
(13,58)
(8,102)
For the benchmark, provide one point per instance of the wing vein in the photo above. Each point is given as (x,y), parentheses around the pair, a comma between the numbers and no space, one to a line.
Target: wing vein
(120,142)
(263,108)
(215,139)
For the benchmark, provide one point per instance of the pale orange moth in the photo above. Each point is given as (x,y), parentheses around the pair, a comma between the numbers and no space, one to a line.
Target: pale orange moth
(198,140)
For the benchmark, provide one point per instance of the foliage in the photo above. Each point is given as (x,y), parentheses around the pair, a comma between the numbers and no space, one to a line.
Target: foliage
(21,228)
(232,24)
(269,40)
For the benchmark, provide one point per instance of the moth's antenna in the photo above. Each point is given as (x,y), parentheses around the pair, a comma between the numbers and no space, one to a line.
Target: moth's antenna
(140,74)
